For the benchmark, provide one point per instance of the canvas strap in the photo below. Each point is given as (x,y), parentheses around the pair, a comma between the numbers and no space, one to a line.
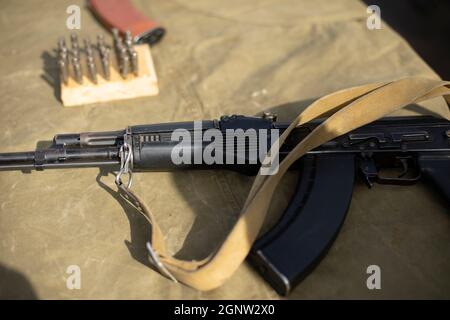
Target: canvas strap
(350,108)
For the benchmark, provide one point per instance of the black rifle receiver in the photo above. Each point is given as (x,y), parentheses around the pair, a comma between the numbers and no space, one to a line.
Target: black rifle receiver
(419,146)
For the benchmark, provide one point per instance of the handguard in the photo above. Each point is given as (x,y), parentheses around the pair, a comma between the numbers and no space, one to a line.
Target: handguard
(310,224)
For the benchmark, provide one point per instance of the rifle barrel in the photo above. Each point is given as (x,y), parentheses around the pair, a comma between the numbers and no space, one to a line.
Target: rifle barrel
(59,158)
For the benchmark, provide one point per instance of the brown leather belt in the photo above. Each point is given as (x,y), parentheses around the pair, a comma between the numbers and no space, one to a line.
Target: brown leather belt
(122,15)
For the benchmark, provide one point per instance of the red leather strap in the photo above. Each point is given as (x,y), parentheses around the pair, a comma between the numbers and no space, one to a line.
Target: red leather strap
(122,15)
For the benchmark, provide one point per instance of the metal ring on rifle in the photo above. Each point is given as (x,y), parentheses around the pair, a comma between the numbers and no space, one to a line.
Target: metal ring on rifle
(126,159)
(119,179)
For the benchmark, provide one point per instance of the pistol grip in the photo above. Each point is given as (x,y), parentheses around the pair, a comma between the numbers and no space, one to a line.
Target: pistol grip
(436,169)
(308,227)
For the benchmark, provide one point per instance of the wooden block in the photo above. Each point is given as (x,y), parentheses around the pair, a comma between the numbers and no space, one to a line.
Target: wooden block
(117,88)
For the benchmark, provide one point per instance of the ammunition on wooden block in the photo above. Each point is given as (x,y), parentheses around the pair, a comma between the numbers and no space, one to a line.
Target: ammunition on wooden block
(105,71)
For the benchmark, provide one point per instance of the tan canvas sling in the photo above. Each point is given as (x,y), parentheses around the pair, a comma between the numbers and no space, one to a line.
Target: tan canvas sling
(349,109)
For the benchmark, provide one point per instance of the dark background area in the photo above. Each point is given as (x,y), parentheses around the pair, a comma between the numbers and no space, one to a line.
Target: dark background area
(425,24)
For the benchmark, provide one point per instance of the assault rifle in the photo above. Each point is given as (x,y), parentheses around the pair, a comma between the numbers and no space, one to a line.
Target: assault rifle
(418,146)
